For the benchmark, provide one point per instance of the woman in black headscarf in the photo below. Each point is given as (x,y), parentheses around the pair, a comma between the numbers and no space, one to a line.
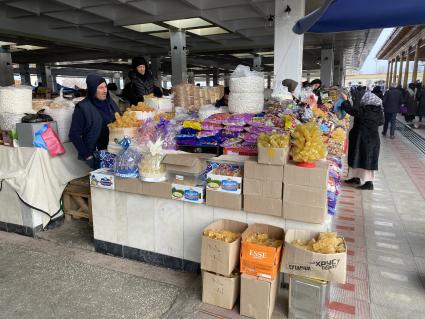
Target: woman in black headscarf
(141,82)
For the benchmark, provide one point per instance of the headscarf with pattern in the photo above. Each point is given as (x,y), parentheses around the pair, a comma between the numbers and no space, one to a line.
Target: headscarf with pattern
(370,99)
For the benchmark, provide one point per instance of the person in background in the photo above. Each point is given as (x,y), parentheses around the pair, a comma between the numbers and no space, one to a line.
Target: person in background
(89,126)
(411,103)
(363,139)
(393,99)
(316,85)
(292,86)
(305,84)
(420,98)
(224,101)
(112,89)
(378,92)
(141,82)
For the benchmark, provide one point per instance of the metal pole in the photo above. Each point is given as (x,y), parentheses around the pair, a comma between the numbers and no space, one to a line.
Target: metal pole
(415,64)
(406,70)
(178,57)
(400,71)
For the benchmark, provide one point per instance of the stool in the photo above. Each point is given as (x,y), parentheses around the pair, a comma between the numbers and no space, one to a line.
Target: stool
(77,200)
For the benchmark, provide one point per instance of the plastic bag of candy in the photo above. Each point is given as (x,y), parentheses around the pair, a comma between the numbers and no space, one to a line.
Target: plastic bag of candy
(238,119)
(207,133)
(106,159)
(211,126)
(218,118)
(192,125)
(127,164)
(235,128)
(232,142)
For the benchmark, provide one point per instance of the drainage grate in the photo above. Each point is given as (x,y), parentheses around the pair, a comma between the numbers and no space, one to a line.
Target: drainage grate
(411,135)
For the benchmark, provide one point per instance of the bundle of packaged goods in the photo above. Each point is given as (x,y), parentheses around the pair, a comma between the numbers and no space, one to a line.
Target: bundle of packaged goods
(142,112)
(261,253)
(164,104)
(221,242)
(124,126)
(61,110)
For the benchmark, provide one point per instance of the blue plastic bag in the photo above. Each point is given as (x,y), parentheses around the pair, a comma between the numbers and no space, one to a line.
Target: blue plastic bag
(38,140)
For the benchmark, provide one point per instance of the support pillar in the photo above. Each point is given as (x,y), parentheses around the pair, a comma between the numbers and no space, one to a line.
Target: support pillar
(257,62)
(415,63)
(215,76)
(423,76)
(390,80)
(24,71)
(400,71)
(337,75)
(178,57)
(41,74)
(269,80)
(406,69)
(156,67)
(395,71)
(326,66)
(388,75)
(226,79)
(6,68)
(288,46)
(207,79)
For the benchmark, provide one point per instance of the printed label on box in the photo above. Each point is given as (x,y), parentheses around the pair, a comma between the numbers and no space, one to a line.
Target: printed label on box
(223,183)
(102,178)
(187,193)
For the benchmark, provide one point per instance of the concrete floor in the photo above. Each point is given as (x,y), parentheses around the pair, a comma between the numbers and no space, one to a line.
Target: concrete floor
(58,274)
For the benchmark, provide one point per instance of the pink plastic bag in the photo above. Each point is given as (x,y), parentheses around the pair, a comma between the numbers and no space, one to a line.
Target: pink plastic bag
(54,145)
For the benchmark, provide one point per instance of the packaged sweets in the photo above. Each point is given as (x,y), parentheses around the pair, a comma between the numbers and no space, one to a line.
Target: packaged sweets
(324,243)
(308,143)
(223,235)
(273,140)
(264,239)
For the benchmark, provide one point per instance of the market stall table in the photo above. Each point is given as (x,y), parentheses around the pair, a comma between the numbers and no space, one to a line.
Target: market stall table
(32,186)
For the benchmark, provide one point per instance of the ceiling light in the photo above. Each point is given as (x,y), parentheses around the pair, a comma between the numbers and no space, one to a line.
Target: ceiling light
(208,31)
(145,27)
(242,55)
(266,54)
(29,47)
(162,35)
(2,43)
(188,23)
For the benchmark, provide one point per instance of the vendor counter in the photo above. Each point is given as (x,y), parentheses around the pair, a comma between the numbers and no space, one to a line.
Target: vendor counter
(32,183)
(163,231)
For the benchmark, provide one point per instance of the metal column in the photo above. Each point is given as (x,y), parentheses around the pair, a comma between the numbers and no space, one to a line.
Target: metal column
(394,80)
(178,57)
(269,80)
(400,71)
(24,71)
(215,76)
(6,68)
(415,63)
(207,79)
(50,80)
(326,66)
(257,62)
(406,69)
(226,79)
(156,67)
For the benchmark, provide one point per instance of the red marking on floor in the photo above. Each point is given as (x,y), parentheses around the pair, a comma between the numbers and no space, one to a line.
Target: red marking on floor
(351,268)
(342,307)
(347,203)
(344,227)
(346,218)
(347,210)
(346,286)
(350,252)
(347,196)
(349,239)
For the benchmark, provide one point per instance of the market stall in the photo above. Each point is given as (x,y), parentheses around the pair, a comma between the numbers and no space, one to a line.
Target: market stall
(33,177)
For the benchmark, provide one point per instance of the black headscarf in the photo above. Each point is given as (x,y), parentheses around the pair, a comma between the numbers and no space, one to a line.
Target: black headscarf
(141,61)
(104,107)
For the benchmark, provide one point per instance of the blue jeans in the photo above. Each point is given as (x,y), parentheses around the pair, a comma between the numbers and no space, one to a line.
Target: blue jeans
(390,118)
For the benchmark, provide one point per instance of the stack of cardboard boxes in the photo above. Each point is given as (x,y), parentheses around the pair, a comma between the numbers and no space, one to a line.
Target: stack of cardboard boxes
(260,266)
(220,266)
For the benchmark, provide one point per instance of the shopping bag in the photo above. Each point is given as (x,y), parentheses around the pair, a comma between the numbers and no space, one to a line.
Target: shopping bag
(403,109)
(54,145)
(38,140)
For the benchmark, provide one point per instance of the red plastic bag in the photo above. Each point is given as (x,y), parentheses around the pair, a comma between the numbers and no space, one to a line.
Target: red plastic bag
(54,145)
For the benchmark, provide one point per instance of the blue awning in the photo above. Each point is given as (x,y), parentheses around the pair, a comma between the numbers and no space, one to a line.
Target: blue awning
(350,15)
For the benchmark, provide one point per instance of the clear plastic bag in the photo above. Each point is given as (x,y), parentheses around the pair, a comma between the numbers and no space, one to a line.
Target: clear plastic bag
(127,163)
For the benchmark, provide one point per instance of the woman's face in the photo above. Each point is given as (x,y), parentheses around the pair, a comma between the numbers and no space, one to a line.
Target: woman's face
(141,69)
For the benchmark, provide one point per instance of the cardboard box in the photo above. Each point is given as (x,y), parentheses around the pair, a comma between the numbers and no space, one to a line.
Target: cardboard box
(191,194)
(297,261)
(273,156)
(186,162)
(262,205)
(128,185)
(258,296)
(218,256)
(304,213)
(161,190)
(185,178)
(312,177)
(269,189)
(219,290)
(224,200)
(258,260)
(305,195)
(221,183)
(102,178)
(254,170)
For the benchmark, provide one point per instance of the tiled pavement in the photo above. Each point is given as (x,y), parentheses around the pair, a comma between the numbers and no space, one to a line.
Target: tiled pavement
(385,233)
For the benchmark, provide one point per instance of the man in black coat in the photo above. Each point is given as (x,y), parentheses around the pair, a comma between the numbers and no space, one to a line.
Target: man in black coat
(89,127)
(393,99)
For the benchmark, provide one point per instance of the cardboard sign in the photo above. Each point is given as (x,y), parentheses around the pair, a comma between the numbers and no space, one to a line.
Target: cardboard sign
(297,261)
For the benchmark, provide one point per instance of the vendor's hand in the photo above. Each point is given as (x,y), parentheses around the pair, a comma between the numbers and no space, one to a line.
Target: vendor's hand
(90,161)
(344,96)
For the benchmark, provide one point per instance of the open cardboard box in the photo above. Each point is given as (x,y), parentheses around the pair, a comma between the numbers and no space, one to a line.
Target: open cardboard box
(186,162)
(297,261)
(218,256)
(273,156)
(259,260)
(224,200)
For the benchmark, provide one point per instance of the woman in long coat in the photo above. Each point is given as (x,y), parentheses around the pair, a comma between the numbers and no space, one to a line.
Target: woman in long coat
(364,142)
(411,103)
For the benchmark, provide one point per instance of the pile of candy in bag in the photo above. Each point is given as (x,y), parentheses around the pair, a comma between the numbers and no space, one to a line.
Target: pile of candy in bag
(264,239)
(222,235)
(334,182)
(324,243)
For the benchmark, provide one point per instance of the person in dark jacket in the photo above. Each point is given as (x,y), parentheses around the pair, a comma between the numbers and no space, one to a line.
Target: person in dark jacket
(378,92)
(316,85)
(411,103)
(393,99)
(292,86)
(89,131)
(224,101)
(363,140)
(420,96)
(141,82)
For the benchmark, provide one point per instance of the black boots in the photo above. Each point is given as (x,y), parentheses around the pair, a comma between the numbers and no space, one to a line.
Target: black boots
(366,186)
(353,180)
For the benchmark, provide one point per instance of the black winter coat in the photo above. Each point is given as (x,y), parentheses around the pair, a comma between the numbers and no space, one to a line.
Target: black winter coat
(139,86)
(363,139)
(393,99)
(421,102)
(412,105)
